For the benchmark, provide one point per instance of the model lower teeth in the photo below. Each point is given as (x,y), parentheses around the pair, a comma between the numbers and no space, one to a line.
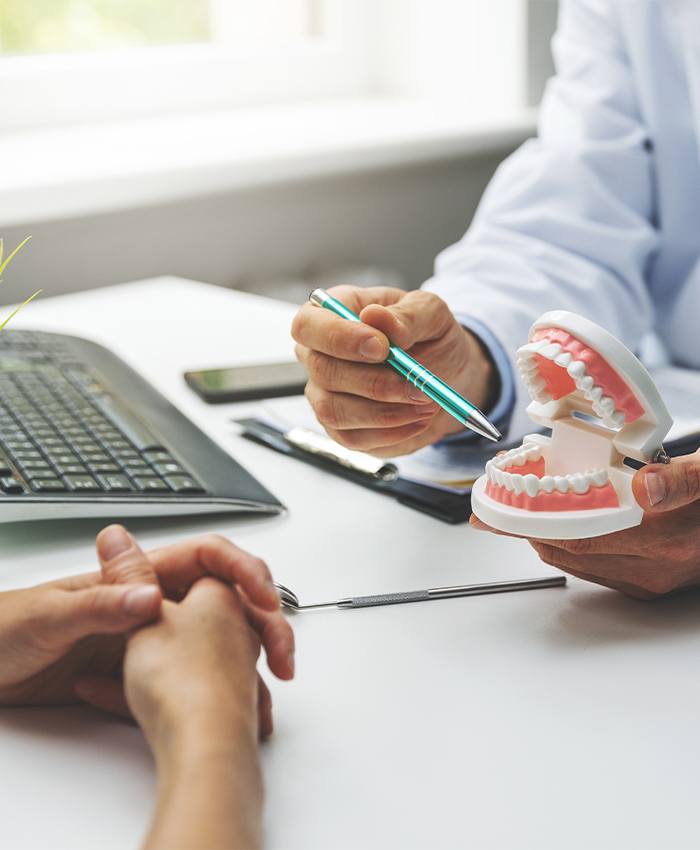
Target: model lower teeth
(533,484)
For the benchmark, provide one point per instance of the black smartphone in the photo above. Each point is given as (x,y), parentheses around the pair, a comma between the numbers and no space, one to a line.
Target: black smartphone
(243,383)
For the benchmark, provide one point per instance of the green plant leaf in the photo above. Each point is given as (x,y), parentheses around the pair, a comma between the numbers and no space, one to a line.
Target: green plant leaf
(10,257)
(17,309)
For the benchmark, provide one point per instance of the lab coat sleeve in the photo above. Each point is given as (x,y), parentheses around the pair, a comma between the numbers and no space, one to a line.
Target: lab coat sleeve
(567,221)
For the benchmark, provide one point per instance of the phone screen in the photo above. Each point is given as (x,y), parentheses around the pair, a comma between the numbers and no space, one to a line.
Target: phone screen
(239,383)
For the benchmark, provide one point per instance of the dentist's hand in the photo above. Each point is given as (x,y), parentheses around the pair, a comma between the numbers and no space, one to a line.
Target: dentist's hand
(657,557)
(364,404)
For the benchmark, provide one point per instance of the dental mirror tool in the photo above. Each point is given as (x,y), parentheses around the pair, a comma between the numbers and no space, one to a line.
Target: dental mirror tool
(290,600)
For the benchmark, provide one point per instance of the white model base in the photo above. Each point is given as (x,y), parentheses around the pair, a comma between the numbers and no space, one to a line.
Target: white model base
(551,525)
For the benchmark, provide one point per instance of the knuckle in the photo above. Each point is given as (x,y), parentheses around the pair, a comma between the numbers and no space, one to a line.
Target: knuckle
(300,323)
(337,339)
(322,369)
(352,439)
(386,417)
(432,303)
(548,554)
(579,546)
(326,410)
(94,604)
(212,541)
(260,566)
(379,385)
(690,479)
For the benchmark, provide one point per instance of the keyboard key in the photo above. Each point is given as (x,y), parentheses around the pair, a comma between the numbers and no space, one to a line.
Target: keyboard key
(19,446)
(47,485)
(183,484)
(53,443)
(151,485)
(26,457)
(63,458)
(33,466)
(126,455)
(70,468)
(103,467)
(94,457)
(115,483)
(82,484)
(168,468)
(40,473)
(11,486)
(136,467)
(158,456)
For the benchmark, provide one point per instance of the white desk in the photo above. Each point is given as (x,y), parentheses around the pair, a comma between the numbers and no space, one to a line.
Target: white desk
(556,718)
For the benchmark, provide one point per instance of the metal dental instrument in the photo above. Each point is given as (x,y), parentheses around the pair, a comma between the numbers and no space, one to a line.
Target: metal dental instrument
(290,600)
(415,373)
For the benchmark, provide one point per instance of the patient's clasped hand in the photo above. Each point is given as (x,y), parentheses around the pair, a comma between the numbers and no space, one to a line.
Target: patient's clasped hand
(170,638)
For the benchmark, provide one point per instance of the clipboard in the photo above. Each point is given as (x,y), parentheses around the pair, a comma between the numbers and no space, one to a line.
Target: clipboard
(445,505)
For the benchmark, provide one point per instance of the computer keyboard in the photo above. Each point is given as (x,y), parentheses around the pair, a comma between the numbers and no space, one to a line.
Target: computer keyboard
(82,434)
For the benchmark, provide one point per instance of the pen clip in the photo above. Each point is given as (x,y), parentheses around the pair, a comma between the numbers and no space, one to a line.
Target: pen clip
(322,446)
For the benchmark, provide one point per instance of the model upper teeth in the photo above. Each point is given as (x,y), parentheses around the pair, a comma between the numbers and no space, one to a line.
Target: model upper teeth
(577,482)
(603,406)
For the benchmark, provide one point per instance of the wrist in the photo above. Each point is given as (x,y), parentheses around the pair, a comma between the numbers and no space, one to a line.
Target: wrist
(210,786)
(481,377)
(204,719)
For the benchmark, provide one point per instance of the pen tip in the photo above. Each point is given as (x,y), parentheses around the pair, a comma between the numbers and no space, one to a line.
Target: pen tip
(481,425)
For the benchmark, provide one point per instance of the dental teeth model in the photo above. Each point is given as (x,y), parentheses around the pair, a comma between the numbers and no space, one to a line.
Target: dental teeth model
(602,406)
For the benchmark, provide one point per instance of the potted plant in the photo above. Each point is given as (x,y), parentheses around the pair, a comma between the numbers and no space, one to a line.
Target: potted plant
(4,263)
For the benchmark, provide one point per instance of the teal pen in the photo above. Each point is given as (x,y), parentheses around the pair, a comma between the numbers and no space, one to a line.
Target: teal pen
(448,399)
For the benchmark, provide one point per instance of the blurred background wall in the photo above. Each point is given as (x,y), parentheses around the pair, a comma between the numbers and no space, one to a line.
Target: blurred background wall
(384,220)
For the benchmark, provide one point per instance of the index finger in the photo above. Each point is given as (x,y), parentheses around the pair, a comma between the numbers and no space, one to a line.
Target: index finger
(321,330)
(180,565)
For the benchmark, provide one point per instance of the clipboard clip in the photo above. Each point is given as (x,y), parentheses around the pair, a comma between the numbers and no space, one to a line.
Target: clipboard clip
(322,446)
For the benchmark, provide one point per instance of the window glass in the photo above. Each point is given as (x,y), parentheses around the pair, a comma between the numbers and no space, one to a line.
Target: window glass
(50,26)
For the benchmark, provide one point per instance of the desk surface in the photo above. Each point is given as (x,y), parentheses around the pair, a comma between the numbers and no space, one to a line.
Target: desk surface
(556,718)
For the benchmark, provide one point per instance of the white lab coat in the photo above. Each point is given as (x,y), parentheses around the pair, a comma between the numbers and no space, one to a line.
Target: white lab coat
(600,214)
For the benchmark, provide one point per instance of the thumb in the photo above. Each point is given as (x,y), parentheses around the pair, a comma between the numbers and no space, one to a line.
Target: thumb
(418,317)
(667,486)
(122,559)
(100,610)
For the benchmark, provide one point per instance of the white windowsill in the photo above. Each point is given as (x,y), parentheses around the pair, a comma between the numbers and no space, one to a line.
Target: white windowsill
(74,171)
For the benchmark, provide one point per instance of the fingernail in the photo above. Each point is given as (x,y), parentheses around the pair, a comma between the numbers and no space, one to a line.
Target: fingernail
(290,662)
(140,601)
(114,541)
(372,349)
(656,487)
(415,394)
